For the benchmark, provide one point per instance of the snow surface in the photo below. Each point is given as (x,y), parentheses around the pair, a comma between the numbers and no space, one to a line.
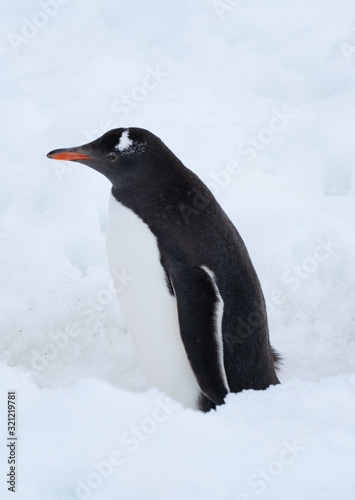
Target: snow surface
(258,99)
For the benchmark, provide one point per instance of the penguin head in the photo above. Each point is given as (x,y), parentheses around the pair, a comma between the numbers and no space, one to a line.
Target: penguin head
(126,156)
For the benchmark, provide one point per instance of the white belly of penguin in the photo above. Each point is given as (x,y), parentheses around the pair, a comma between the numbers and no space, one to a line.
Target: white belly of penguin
(147,306)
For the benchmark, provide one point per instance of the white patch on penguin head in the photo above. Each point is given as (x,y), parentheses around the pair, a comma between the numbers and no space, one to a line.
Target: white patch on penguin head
(125,142)
(126,146)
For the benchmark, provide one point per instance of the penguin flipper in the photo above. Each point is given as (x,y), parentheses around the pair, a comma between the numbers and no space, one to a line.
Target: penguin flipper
(200,310)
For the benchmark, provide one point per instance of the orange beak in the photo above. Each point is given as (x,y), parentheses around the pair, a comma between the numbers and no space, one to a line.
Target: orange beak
(66,155)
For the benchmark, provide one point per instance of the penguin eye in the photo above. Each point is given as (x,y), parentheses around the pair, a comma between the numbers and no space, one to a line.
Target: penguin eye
(111,157)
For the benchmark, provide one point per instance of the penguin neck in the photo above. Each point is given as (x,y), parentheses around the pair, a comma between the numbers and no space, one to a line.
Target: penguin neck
(139,198)
(154,192)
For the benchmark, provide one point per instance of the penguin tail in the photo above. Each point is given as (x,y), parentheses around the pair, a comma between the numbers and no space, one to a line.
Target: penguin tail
(278,360)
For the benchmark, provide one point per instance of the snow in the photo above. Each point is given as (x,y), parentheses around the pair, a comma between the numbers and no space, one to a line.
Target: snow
(125,142)
(257,98)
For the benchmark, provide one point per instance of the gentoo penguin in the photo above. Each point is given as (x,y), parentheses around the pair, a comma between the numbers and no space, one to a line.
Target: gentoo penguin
(193,303)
